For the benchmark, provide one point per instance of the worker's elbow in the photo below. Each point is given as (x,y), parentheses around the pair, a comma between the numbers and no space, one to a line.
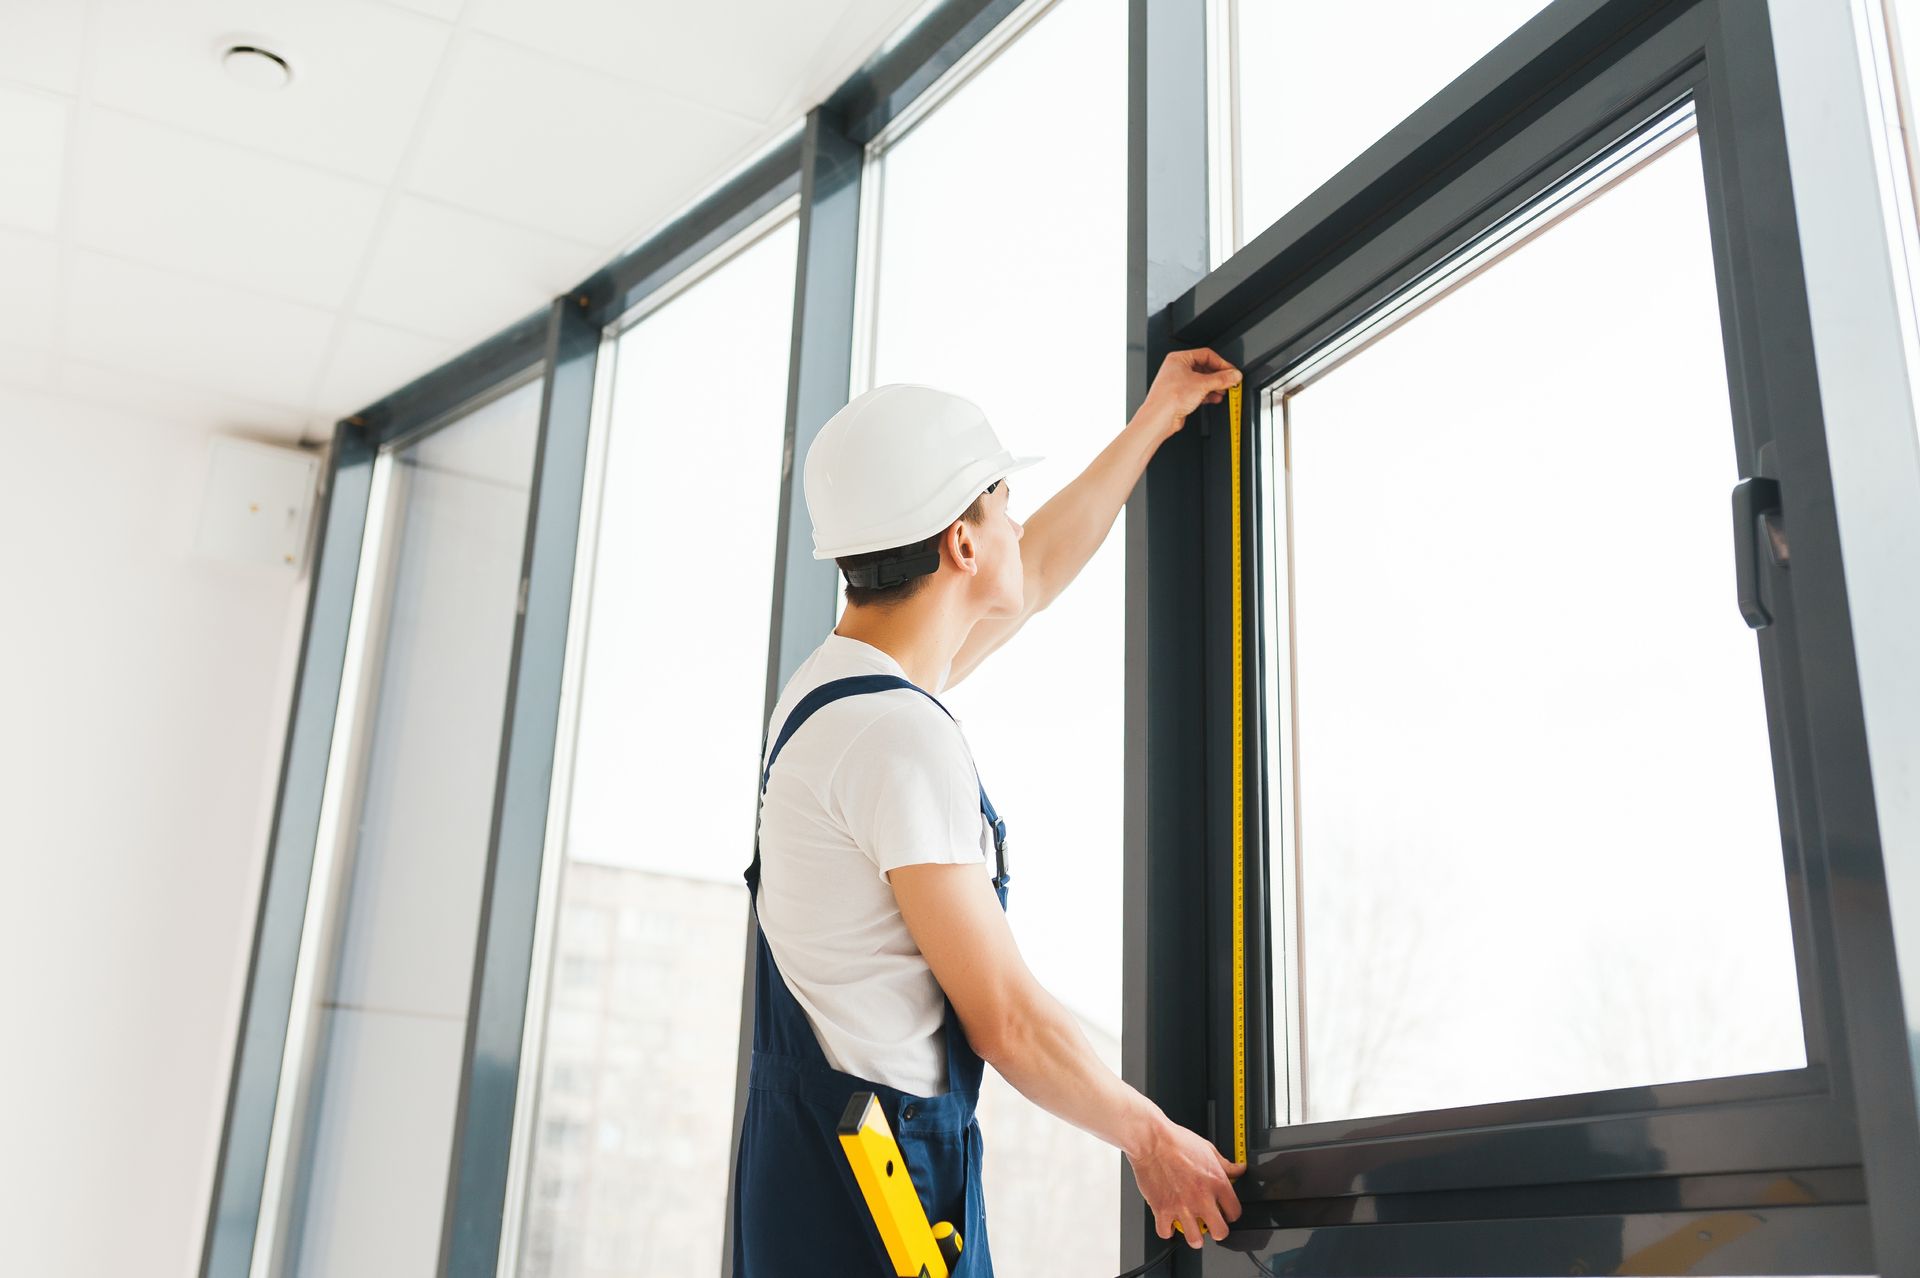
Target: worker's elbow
(1001,1035)
(993,1039)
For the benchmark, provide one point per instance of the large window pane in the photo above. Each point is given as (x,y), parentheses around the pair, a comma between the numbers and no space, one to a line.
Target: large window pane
(1320,83)
(1001,277)
(1531,815)
(368,1171)
(635,1110)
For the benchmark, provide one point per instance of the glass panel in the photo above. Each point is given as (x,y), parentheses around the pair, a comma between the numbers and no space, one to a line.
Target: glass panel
(1899,75)
(1534,828)
(1005,217)
(368,1177)
(635,1111)
(1320,83)
(1902,18)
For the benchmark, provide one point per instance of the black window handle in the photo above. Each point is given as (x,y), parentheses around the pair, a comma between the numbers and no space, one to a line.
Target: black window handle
(1756,514)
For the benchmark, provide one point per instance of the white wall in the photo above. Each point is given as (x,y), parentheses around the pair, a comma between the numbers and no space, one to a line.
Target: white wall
(143,696)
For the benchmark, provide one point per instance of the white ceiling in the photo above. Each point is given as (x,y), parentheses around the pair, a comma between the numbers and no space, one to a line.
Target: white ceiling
(178,245)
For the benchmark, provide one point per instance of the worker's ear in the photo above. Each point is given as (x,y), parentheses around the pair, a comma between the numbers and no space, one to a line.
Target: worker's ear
(960,547)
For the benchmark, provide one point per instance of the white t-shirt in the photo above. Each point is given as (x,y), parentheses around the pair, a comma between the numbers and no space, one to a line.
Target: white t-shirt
(869,783)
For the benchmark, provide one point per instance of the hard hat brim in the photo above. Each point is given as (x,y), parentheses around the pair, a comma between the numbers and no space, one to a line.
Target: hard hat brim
(993,474)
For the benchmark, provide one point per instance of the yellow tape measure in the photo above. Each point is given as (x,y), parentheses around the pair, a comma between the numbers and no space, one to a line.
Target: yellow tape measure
(1239,809)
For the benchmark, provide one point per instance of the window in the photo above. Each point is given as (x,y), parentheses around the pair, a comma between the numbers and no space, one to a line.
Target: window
(1001,214)
(643,1012)
(1320,83)
(367,1168)
(1531,845)
(1535,877)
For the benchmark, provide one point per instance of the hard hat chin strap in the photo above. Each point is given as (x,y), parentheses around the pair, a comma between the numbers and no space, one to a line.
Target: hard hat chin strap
(893,570)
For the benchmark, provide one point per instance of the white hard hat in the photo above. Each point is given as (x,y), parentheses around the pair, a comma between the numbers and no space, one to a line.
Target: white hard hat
(897,465)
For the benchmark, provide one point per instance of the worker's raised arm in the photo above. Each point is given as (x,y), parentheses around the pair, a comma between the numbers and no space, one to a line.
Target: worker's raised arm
(1037,1046)
(1063,534)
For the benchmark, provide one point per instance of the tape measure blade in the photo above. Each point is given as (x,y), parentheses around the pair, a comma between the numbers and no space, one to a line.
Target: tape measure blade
(1235,406)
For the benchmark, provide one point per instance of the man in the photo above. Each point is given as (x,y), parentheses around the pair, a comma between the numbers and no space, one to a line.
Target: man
(885,962)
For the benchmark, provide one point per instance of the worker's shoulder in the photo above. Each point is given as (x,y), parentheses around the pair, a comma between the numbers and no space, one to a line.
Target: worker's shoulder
(904,724)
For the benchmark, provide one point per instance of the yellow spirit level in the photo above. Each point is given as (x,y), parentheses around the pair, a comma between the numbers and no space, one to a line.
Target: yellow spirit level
(917,1249)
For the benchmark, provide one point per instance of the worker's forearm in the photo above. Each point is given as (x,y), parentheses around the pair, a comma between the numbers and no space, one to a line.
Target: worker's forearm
(1063,534)
(1045,1055)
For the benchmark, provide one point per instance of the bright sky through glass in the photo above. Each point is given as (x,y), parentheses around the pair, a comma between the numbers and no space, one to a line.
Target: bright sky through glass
(1539,848)
(666,771)
(1321,82)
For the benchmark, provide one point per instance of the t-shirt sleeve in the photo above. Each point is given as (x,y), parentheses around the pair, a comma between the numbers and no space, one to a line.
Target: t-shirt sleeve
(908,792)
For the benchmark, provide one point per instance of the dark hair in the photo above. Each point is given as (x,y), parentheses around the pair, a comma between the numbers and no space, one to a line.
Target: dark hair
(905,590)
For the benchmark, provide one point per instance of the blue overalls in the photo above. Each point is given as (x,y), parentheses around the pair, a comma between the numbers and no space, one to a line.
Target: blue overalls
(797,1211)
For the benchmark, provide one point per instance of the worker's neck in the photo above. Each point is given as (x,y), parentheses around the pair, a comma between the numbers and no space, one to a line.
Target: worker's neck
(922,633)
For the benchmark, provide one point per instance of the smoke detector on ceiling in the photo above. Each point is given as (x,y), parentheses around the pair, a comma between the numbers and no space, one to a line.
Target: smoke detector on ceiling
(255,67)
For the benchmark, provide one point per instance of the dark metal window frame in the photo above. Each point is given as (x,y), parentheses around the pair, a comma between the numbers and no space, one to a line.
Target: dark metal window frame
(1478,1190)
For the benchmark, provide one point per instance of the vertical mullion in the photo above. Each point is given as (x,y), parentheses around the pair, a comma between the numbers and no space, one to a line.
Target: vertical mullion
(240,1174)
(1165,920)
(524,1147)
(496,1011)
(820,364)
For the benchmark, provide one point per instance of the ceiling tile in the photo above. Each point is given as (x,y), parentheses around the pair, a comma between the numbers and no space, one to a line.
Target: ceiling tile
(221,212)
(545,144)
(160,399)
(173,199)
(456,275)
(43,44)
(372,362)
(736,55)
(33,148)
(186,330)
(361,72)
(30,265)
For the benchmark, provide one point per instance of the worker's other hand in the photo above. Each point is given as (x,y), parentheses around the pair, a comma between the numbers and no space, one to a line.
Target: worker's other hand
(1187,1182)
(1186,380)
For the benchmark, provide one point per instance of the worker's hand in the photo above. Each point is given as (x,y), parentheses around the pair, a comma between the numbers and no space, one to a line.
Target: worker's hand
(1186,380)
(1186,1181)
